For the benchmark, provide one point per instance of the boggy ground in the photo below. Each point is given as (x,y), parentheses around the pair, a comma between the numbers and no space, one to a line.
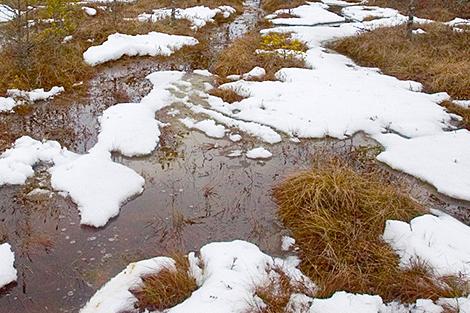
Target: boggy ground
(188,199)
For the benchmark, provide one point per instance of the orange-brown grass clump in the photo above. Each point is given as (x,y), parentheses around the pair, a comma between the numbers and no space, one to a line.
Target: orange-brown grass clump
(167,288)
(440,10)
(439,59)
(337,214)
(277,292)
(240,57)
(463,112)
(227,95)
(273,5)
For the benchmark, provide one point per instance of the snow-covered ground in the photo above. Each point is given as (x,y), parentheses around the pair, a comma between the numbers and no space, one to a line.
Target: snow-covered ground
(152,44)
(199,16)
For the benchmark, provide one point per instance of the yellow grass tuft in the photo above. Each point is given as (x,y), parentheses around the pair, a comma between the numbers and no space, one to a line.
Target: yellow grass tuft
(167,288)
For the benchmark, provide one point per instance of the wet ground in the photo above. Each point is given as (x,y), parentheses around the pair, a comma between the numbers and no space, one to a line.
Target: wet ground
(194,194)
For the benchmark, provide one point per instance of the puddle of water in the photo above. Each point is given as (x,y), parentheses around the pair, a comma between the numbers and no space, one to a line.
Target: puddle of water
(198,197)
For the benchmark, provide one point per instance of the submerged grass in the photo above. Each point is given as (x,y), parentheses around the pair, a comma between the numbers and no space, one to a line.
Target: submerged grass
(167,288)
(336,214)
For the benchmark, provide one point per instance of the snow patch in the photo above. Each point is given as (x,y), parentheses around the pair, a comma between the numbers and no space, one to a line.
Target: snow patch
(152,44)
(7,270)
(199,16)
(442,159)
(36,94)
(208,127)
(231,273)
(256,72)
(440,241)
(310,14)
(258,153)
(89,11)
(97,185)
(7,13)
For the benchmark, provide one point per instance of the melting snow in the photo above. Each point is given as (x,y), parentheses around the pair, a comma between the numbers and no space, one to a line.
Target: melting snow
(6,13)
(152,44)
(258,153)
(7,104)
(199,16)
(36,94)
(231,271)
(440,241)
(7,260)
(310,14)
(96,184)
(256,72)
(208,127)
(89,11)
(441,159)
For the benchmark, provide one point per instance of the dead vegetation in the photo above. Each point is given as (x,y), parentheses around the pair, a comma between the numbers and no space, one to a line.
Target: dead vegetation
(241,56)
(167,288)
(439,59)
(461,111)
(277,293)
(273,5)
(336,212)
(228,95)
(440,10)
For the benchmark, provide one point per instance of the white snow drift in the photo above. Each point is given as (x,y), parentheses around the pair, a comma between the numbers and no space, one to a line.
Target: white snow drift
(199,16)
(152,44)
(7,270)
